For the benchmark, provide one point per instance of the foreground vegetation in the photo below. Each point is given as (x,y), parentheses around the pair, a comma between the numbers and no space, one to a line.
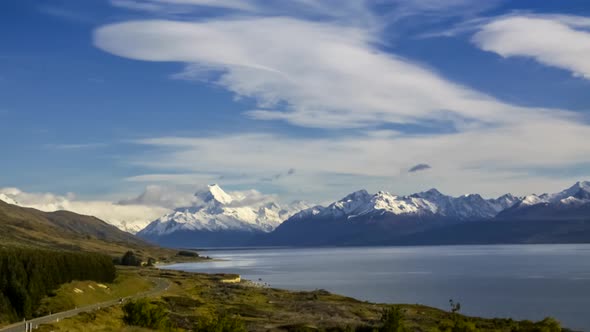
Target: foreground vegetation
(29,275)
(202,302)
(80,293)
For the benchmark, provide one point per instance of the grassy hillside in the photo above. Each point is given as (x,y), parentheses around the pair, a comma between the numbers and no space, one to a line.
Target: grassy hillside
(81,293)
(193,301)
(69,231)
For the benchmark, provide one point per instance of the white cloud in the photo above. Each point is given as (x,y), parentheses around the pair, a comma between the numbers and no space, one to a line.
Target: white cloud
(161,196)
(332,74)
(127,217)
(172,197)
(556,41)
(329,75)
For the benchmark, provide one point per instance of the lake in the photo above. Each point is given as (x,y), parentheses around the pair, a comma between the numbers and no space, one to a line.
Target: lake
(518,281)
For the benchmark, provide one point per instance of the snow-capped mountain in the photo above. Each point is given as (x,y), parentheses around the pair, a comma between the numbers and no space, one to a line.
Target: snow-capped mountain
(466,207)
(427,203)
(216,211)
(434,203)
(571,203)
(431,217)
(504,202)
(361,218)
(579,193)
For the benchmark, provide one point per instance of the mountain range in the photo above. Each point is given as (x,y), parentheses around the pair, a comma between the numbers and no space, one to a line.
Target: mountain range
(431,217)
(216,218)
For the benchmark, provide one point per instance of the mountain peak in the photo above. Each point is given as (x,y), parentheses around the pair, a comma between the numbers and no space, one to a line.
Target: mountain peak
(585,185)
(362,195)
(214,193)
(430,194)
(580,189)
(433,192)
(507,196)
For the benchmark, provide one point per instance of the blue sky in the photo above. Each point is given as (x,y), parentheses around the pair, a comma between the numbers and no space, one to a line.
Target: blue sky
(307,99)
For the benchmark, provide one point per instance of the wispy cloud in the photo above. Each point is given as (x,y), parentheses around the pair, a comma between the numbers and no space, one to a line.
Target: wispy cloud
(175,178)
(477,160)
(437,10)
(278,176)
(329,76)
(65,14)
(182,6)
(77,146)
(137,5)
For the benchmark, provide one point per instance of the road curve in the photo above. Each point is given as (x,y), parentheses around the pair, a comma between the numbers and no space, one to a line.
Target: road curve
(160,286)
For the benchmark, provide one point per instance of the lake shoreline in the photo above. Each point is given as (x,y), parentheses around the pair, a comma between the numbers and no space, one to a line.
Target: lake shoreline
(516,275)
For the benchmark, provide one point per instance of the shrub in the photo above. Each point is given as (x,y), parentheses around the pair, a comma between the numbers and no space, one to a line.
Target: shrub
(148,314)
(392,320)
(187,253)
(151,261)
(223,323)
(457,323)
(546,325)
(129,259)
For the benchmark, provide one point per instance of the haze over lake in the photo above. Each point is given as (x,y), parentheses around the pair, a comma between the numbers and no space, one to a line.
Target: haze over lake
(518,281)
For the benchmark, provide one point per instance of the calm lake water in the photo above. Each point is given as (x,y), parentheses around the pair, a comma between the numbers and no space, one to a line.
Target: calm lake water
(519,281)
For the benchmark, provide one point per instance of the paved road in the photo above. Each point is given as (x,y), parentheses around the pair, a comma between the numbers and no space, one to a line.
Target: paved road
(160,286)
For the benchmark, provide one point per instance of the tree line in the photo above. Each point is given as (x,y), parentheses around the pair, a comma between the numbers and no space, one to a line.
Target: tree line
(28,275)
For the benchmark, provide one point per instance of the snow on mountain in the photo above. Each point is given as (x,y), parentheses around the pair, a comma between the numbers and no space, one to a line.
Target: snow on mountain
(216,210)
(577,194)
(427,203)
(504,202)
(214,194)
(471,206)
(579,191)
(532,199)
